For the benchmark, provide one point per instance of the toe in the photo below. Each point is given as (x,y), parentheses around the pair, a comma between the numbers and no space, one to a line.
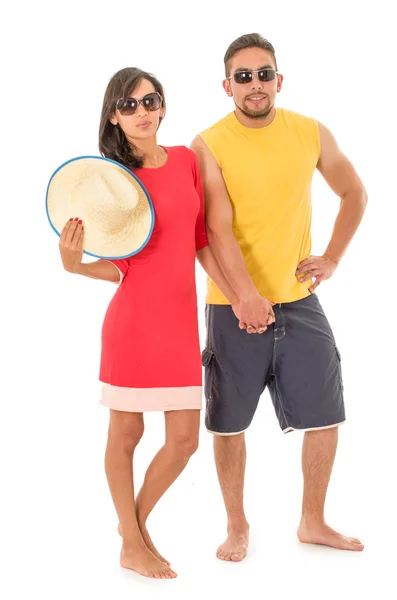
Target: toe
(236,557)
(160,574)
(358,545)
(353,543)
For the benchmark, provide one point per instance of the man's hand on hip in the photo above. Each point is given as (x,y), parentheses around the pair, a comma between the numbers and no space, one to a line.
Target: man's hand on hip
(318,267)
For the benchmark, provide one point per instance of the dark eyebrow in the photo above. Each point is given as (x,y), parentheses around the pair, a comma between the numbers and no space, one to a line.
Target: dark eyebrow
(247,69)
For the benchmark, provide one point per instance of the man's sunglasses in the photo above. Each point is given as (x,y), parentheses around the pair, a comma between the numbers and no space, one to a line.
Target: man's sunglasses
(247,76)
(152,102)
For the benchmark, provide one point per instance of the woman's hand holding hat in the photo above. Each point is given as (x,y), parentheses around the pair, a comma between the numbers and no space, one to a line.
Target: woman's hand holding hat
(71,245)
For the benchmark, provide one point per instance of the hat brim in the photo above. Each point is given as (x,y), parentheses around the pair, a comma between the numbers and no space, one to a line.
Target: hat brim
(138,226)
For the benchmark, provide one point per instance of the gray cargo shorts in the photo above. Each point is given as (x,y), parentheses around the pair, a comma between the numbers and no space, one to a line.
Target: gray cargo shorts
(296,359)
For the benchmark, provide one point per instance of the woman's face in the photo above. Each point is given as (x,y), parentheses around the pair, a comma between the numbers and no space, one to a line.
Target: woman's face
(143,123)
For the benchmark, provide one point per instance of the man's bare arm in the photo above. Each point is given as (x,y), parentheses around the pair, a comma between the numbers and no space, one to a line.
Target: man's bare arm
(343,179)
(254,309)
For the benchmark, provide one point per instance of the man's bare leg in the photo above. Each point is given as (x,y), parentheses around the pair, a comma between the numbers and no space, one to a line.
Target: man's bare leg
(125,432)
(318,455)
(230,459)
(181,441)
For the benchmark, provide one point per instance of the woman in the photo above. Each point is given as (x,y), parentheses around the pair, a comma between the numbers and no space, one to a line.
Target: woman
(150,346)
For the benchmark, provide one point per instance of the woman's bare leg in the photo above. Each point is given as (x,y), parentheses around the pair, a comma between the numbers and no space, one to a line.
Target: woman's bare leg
(181,441)
(125,432)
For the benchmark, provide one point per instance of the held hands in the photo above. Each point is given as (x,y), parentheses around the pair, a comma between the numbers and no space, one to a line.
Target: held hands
(71,245)
(319,267)
(254,314)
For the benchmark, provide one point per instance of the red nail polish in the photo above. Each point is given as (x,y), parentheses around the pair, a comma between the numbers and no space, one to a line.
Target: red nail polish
(80,222)
(76,219)
(71,219)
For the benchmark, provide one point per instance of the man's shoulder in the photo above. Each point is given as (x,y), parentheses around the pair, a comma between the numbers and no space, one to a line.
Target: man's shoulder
(216,127)
(306,128)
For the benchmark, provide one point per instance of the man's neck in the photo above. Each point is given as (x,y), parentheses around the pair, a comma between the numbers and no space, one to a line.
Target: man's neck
(255,123)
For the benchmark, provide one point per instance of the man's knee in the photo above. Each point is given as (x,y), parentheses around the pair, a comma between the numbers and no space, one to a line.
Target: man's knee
(229,441)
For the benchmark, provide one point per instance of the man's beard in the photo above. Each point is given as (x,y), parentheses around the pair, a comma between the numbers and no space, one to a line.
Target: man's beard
(255,115)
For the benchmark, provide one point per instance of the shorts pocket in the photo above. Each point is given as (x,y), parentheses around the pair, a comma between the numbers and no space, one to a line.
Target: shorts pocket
(206,357)
(339,361)
(208,360)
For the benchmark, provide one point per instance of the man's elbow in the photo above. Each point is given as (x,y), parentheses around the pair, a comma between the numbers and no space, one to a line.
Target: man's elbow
(357,196)
(362,198)
(218,230)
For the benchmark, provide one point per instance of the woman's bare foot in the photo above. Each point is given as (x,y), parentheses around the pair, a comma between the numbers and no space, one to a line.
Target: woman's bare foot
(151,546)
(320,533)
(139,558)
(148,542)
(236,545)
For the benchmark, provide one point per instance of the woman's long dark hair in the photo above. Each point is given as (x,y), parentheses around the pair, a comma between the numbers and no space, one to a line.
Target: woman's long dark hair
(112,140)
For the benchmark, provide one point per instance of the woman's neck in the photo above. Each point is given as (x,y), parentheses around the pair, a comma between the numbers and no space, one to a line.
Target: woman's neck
(153,155)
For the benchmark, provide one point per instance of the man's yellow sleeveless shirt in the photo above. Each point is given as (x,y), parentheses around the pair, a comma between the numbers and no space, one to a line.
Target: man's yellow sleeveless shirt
(268,175)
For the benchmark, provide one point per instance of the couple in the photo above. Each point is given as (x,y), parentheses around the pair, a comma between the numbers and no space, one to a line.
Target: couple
(245,183)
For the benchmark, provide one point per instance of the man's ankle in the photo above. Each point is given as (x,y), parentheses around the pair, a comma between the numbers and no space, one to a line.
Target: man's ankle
(312,520)
(237,523)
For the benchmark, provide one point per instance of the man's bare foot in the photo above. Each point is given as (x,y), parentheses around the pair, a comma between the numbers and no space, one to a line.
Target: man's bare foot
(236,545)
(320,533)
(139,558)
(148,542)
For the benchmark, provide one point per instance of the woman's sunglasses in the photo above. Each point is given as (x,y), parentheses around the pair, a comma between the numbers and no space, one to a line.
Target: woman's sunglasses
(247,76)
(152,101)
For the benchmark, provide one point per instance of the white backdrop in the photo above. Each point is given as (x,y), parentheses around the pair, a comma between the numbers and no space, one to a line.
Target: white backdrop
(58,526)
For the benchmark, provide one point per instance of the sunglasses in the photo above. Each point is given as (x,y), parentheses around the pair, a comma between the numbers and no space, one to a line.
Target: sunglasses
(152,102)
(247,76)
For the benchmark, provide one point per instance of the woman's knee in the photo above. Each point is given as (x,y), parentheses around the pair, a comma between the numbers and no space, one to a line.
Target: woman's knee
(182,432)
(184,445)
(126,428)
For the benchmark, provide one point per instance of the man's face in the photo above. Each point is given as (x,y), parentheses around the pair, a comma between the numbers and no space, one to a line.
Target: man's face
(254,98)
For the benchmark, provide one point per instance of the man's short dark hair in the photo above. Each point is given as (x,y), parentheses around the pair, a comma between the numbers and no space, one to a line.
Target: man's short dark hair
(250,40)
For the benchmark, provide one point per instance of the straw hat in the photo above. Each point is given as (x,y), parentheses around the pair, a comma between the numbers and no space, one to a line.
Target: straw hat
(115,208)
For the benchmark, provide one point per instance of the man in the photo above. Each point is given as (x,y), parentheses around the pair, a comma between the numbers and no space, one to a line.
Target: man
(257,166)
